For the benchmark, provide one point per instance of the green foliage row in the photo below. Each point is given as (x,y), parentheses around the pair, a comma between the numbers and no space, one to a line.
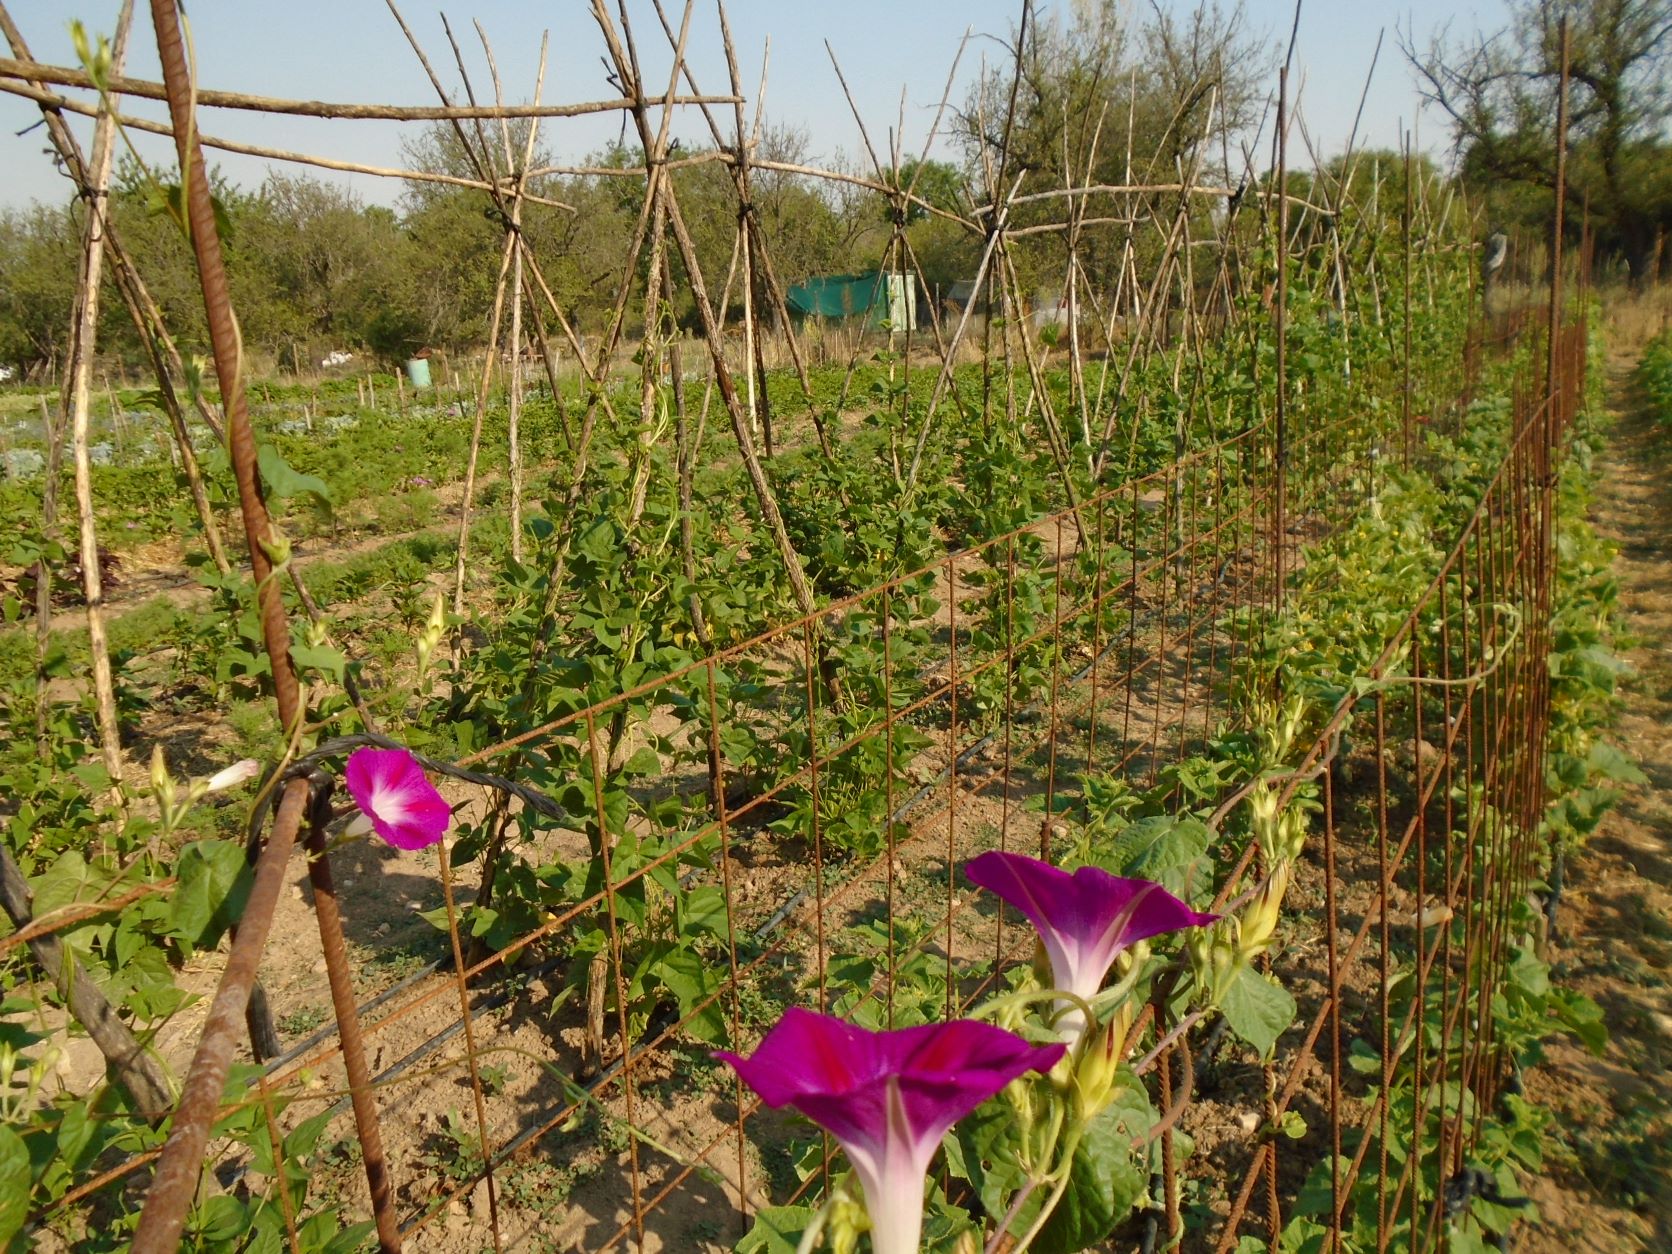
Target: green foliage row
(1654,376)
(614,595)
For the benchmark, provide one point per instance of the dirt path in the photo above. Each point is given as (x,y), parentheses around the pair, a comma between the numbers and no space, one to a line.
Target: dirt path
(1608,1185)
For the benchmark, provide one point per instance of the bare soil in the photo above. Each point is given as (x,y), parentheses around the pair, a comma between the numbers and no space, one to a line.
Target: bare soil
(1609,1181)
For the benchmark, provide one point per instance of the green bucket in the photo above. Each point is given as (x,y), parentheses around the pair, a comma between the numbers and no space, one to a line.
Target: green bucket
(418,372)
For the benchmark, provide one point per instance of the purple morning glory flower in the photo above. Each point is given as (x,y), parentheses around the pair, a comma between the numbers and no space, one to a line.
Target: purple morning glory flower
(393,792)
(1084,919)
(888,1097)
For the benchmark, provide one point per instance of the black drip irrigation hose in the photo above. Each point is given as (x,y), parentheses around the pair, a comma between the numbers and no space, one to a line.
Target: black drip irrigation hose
(1209,1053)
(1558,875)
(382,999)
(491,1001)
(1152,1216)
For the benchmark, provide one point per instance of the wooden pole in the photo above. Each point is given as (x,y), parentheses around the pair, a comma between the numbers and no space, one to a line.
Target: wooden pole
(83,336)
(53,433)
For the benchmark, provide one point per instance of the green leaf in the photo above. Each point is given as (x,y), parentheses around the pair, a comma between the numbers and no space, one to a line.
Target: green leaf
(282,480)
(14,1184)
(1605,759)
(777,1230)
(323,658)
(1316,1196)
(1581,1016)
(1363,1058)
(1106,1178)
(214,883)
(986,1155)
(62,883)
(1465,1240)
(220,1220)
(702,909)
(691,981)
(645,761)
(1258,1009)
(1164,849)
(1303,1236)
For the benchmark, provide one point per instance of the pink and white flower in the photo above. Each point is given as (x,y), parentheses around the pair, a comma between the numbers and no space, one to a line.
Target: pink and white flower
(396,798)
(1085,919)
(887,1097)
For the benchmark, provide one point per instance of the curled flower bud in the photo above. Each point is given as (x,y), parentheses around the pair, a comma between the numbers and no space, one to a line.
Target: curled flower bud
(1094,1078)
(1215,959)
(1129,960)
(232,776)
(430,637)
(162,784)
(847,1218)
(1259,917)
(1294,714)
(1291,834)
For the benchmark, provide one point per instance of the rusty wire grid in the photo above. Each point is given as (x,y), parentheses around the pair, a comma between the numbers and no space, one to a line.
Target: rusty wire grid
(1140,637)
(1099,641)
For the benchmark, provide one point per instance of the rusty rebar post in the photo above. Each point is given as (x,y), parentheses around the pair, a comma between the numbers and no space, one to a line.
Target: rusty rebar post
(348,1019)
(182,1157)
(176,1177)
(224,339)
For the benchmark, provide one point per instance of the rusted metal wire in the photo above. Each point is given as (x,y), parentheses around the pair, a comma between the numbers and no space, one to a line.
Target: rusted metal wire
(1144,598)
(1469,628)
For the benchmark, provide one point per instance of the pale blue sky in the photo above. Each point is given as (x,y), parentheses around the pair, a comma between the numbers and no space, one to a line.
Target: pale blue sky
(351,50)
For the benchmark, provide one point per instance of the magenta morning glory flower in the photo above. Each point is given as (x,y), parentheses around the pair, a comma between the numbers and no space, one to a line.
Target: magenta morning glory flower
(1084,919)
(888,1097)
(395,795)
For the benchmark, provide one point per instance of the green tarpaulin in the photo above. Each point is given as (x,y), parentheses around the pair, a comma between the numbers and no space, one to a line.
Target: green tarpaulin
(873,296)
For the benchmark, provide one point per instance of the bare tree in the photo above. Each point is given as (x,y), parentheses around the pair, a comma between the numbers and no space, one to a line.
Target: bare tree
(1498,93)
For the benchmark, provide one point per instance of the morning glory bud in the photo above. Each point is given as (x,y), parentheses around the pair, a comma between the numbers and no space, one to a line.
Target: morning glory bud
(1094,1079)
(1259,917)
(1215,959)
(232,776)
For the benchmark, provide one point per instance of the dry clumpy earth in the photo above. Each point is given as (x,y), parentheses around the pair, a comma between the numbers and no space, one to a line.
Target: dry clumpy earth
(1608,1181)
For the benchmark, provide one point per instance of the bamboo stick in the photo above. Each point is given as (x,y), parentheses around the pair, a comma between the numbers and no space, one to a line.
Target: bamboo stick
(209,98)
(83,338)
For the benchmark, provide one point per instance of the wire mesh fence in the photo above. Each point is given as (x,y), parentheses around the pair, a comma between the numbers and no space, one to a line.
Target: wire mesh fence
(784,820)
(963,707)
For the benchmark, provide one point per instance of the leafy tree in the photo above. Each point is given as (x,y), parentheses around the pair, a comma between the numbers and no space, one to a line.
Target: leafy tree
(335,269)
(38,250)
